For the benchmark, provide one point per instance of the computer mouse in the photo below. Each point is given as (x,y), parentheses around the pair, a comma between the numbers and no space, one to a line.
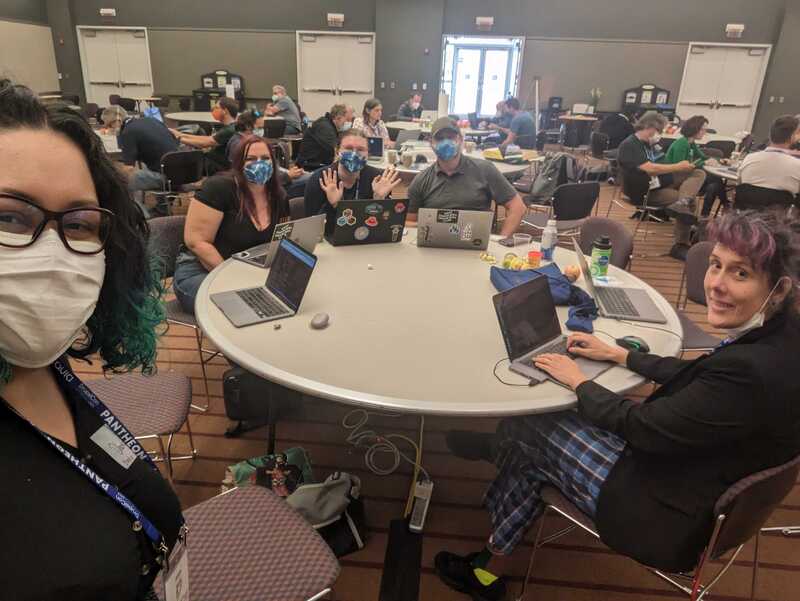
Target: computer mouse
(633,343)
(320,321)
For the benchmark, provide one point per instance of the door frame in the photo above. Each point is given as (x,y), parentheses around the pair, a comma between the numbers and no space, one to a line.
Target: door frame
(85,63)
(762,77)
(481,68)
(298,41)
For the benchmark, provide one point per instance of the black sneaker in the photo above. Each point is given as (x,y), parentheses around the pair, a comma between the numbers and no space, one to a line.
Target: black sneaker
(678,251)
(456,571)
(472,446)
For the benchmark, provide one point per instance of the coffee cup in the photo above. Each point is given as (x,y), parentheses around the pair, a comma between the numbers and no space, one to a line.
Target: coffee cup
(469,146)
(408,159)
(391,156)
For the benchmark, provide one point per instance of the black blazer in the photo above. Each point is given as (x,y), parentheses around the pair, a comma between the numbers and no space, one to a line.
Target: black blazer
(713,421)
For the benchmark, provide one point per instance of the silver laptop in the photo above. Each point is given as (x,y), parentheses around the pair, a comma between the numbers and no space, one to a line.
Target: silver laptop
(529,323)
(619,303)
(304,232)
(406,135)
(454,228)
(281,295)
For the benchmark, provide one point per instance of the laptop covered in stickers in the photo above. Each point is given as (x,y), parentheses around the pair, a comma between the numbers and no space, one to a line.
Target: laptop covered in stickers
(367,222)
(454,228)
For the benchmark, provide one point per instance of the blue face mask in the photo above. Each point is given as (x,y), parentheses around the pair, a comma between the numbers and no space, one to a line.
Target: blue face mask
(345,126)
(446,149)
(258,172)
(352,161)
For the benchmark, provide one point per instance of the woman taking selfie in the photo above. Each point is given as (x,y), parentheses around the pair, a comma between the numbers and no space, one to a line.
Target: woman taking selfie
(76,282)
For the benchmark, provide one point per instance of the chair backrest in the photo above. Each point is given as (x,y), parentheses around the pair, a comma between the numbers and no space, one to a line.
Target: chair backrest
(695,271)
(575,201)
(621,239)
(129,104)
(749,502)
(166,237)
(182,167)
(726,146)
(599,144)
(184,103)
(393,133)
(71,98)
(297,208)
(113,99)
(274,128)
(89,111)
(757,197)
(713,153)
(163,101)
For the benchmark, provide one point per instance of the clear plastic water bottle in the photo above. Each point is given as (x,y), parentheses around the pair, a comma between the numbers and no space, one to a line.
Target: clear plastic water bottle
(549,239)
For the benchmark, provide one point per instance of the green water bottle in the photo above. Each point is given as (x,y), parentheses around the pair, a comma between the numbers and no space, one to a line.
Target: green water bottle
(601,256)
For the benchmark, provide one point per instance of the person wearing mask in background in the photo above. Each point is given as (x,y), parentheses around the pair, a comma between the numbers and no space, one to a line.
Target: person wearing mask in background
(77,284)
(456,181)
(348,178)
(522,129)
(142,141)
(411,108)
(284,107)
(775,167)
(225,111)
(670,186)
(371,124)
(249,122)
(321,139)
(234,211)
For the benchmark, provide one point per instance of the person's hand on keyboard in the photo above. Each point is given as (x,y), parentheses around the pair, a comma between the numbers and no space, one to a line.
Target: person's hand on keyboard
(591,347)
(561,368)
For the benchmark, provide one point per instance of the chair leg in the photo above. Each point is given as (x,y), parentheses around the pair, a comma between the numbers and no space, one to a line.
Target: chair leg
(536,545)
(166,456)
(199,338)
(755,568)
(169,454)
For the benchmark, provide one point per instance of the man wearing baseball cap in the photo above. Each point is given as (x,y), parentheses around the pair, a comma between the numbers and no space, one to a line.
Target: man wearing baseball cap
(457,181)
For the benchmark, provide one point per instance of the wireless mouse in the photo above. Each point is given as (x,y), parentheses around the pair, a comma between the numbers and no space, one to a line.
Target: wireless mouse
(320,321)
(633,343)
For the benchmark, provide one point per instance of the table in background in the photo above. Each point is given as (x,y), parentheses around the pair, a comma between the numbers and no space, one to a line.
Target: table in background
(147,100)
(414,126)
(706,139)
(415,333)
(726,173)
(577,130)
(193,117)
(506,169)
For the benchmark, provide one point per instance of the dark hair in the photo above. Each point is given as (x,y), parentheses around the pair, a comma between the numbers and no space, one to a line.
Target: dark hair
(353,132)
(769,238)
(692,126)
(512,103)
(230,105)
(276,195)
(246,121)
(122,328)
(783,129)
(370,104)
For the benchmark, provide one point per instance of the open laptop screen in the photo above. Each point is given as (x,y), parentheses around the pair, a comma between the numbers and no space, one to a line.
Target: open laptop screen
(375,147)
(290,272)
(527,316)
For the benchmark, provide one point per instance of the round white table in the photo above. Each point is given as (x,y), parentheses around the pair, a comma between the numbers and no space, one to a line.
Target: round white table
(706,138)
(504,168)
(416,333)
(193,117)
(730,174)
(416,126)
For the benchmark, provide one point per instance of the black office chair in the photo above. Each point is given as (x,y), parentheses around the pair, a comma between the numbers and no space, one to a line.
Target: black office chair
(89,111)
(274,128)
(185,104)
(113,99)
(393,133)
(73,99)
(129,104)
(725,146)
(572,205)
(758,198)
(163,101)
(179,169)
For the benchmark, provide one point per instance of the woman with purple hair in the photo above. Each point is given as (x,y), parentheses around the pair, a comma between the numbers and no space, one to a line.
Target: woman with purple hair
(659,466)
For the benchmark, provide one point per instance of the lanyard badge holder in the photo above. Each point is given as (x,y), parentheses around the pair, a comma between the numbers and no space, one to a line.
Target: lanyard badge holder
(176,570)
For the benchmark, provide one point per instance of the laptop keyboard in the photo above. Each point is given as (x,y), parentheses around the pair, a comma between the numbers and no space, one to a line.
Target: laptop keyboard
(616,302)
(559,347)
(261,302)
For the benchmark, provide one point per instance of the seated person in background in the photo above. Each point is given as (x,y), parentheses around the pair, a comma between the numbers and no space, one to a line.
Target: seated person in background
(617,126)
(685,148)
(234,211)
(371,124)
(775,167)
(502,118)
(142,141)
(659,465)
(348,178)
(225,111)
(522,129)
(673,187)
(411,108)
(284,107)
(321,139)
(292,179)
(456,181)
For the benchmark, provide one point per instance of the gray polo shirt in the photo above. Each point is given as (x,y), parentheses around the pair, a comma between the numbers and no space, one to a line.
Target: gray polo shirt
(472,187)
(288,110)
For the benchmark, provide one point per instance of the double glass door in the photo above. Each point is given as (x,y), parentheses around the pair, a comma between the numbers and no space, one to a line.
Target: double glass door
(482,77)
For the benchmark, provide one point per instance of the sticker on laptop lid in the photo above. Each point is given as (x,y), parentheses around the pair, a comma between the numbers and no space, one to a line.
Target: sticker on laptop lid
(361,233)
(466,233)
(371,221)
(342,221)
(351,220)
(454,229)
(373,209)
(446,216)
(283,230)
(396,229)
(399,207)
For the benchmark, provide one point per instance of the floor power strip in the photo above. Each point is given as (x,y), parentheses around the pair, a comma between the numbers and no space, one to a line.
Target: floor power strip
(422,499)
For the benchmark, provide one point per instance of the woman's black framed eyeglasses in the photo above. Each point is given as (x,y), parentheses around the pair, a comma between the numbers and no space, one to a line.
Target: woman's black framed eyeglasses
(83,230)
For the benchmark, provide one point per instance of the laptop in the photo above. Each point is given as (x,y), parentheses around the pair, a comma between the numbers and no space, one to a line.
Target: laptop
(367,222)
(619,303)
(374,149)
(303,232)
(529,323)
(281,295)
(453,228)
(405,135)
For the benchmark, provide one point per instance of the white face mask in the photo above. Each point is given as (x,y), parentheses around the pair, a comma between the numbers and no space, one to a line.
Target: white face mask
(47,294)
(756,321)
(259,131)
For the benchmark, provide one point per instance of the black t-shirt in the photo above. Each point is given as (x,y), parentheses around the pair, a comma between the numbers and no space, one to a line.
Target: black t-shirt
(218,154)
(319,144)
(236,231)
(64,538)
(632,153)
(146,140)
(316,201)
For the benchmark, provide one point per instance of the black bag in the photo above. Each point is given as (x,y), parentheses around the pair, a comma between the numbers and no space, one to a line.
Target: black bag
(249,398)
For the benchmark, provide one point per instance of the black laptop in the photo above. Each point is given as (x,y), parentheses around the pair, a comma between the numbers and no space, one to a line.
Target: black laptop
(367,222)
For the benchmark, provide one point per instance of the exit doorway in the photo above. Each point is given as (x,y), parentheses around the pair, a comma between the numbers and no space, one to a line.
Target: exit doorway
(479,72)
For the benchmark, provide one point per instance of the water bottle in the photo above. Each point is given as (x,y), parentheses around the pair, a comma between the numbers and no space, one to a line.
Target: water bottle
(549,239)
(601,256)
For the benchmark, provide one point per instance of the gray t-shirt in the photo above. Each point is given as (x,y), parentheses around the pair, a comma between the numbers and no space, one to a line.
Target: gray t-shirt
(522,126)
(472,187)
(287,109)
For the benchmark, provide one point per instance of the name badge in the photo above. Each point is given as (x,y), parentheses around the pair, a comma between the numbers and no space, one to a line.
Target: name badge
(113,446)
(176,579)
(655,182)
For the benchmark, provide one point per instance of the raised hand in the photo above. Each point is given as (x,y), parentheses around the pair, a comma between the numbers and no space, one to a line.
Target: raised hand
(383,184)
(332,186)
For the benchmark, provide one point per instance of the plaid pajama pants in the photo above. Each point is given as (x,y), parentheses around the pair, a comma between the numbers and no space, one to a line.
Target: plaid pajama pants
(561,449)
